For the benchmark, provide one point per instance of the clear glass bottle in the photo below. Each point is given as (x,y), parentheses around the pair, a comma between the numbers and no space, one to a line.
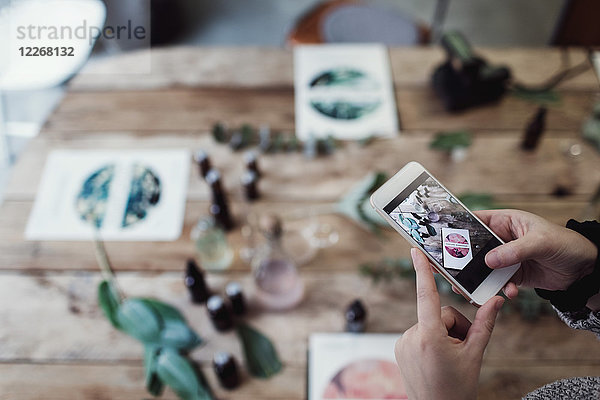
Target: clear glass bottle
(278,283)
(214,251)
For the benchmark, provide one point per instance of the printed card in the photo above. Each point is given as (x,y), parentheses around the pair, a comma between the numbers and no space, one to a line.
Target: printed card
(457,248)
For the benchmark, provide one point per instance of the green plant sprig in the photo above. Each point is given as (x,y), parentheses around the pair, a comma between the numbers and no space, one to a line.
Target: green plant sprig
(162,330)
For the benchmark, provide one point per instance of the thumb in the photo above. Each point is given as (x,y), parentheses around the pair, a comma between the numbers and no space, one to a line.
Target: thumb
(481,330)
(512,253)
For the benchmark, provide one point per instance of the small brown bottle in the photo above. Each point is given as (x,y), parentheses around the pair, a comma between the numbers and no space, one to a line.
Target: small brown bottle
(534,130)
(236,298)
(250,185)
(226,370)
(203,162)
(194,281)
(219,207)
(252,163)
(219,313)
(356,317)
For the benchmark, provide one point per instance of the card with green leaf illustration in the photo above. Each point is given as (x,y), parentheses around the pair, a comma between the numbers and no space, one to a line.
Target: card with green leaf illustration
(345,91)
(114,195)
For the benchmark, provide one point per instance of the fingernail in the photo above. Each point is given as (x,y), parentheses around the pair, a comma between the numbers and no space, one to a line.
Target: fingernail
(492,259)
(499,304)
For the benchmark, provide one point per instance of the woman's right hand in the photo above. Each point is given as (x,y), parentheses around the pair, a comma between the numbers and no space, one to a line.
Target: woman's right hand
(551,257)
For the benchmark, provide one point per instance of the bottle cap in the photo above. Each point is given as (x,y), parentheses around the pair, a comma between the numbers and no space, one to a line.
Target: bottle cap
(213,176)
(214,303)
(233,289)
(200,156)
(249,177)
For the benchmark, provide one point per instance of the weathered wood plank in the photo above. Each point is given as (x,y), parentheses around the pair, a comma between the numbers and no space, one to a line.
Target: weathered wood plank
(19,254)
(271,67)
(198,109)
(57,319)
(124,382)
(514,381)
(494,164)
(21,381)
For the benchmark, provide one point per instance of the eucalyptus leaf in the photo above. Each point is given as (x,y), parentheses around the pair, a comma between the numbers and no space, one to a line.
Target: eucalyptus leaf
(140,320)
(478,201)
(154,384)
(447,141)
(262,360)
(175,331)
(542,97)
(178,373)
(109,301)
(355,204)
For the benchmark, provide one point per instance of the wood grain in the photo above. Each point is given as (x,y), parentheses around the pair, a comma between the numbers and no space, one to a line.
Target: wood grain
(494,164)
(56,344)
(125,382)
(18,254)
(270,67)
(198,109)
(57,319)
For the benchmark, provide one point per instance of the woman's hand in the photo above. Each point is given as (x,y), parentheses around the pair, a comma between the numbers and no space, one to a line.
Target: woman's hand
(551,257)
(440,357)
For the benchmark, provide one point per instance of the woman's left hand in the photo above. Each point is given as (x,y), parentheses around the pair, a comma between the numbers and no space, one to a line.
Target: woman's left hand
(440,357)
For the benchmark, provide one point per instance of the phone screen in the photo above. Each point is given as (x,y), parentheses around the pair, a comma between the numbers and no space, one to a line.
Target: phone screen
(444,229)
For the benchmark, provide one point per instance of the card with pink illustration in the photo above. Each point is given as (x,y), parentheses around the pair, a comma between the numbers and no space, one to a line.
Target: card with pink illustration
(457,248)
(353,367)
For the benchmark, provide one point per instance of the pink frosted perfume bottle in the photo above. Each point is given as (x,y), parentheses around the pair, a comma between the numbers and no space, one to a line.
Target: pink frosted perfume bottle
(278,285)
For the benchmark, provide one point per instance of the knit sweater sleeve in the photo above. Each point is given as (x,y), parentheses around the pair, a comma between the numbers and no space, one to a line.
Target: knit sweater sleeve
(584,319)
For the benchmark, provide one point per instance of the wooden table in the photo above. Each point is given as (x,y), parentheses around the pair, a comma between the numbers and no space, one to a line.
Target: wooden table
(56,344)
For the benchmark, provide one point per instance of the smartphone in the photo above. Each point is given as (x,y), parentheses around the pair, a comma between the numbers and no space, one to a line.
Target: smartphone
(426,214)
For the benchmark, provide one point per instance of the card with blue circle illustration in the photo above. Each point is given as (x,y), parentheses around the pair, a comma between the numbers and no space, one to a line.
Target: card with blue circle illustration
(457,250)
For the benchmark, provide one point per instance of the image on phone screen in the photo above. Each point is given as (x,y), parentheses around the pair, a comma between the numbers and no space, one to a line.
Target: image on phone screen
(444,229)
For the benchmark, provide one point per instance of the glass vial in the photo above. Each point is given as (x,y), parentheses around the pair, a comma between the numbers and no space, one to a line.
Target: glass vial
(219,313)
(214,251)
(226,370)
(194,281)
(278,284)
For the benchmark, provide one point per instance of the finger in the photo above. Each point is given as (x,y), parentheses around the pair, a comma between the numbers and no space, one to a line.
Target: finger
(456,324)
(514,252)
(428,300)
(511,290)
(499,221)
(483,324)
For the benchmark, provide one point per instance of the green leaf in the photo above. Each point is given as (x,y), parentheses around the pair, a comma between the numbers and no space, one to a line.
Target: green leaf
(140,320)
(447,141)
(355,204)
(109,301)
(542,97)
(175,331)
(154,384)
(478,201)
(178,373)
(261,357)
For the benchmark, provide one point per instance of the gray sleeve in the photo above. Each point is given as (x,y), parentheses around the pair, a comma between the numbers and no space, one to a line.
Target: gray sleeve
(584,319)
(586,388)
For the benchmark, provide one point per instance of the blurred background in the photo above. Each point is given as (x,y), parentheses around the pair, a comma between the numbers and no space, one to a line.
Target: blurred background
(274,23)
